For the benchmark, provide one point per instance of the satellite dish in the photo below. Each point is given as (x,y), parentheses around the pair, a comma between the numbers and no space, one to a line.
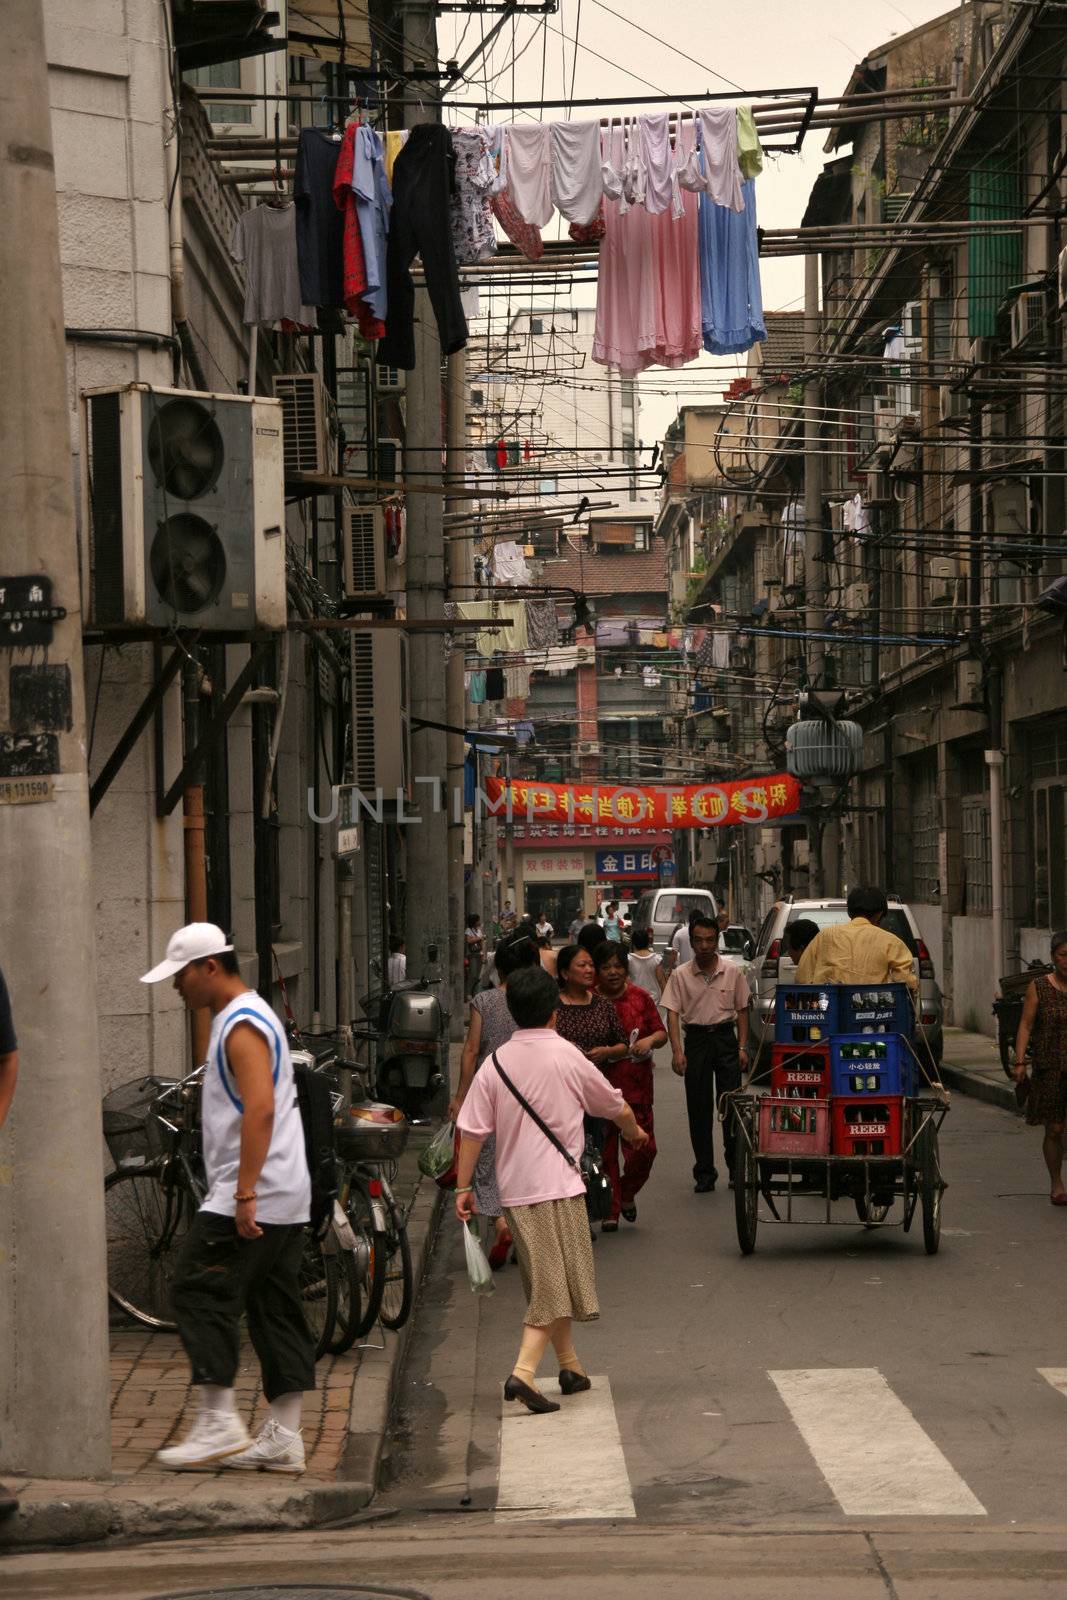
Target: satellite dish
(185,449)
(188,563)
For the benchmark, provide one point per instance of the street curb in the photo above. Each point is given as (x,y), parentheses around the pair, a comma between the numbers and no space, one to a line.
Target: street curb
(78,1515)
(979,1088)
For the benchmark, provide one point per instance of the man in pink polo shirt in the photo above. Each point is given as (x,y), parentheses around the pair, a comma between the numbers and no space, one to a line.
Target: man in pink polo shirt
(536,1074)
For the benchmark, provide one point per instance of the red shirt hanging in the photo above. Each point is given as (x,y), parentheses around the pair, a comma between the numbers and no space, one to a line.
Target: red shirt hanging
(355,270)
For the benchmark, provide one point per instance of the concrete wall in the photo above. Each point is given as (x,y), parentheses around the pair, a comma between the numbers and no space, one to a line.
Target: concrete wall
(973,990)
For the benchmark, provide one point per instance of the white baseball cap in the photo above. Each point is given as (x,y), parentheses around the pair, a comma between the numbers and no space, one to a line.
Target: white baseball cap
(194,942)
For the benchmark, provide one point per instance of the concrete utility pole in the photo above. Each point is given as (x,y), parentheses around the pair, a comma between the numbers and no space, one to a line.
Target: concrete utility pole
(814,567)
(460,563)
(427,930)
(54,1419)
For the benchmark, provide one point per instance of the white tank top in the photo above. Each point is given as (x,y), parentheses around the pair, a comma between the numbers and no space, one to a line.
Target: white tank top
(283,1187)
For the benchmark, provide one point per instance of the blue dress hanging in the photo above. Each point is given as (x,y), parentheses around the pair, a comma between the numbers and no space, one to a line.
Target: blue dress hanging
(731,299)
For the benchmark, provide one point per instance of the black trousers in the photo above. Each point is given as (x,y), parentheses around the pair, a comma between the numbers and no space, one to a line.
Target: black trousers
(713,1066)
(220,1275)
(421,224)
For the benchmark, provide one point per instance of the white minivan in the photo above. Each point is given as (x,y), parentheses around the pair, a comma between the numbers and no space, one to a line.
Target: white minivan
(661,910)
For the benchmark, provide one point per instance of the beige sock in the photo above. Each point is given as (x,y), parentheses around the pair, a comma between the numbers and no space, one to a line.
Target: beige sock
(532,1349)
(563,1345)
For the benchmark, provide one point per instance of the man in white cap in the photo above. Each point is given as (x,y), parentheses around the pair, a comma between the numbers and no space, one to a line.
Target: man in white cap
(243,1250)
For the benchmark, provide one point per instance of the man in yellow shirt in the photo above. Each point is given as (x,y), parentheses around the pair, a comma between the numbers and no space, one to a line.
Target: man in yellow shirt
(858,951)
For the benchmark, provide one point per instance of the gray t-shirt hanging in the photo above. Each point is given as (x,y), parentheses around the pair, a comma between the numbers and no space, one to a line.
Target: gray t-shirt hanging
(264,239)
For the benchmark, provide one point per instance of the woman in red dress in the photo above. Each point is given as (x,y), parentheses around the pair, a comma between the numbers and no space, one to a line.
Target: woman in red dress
(638,1015)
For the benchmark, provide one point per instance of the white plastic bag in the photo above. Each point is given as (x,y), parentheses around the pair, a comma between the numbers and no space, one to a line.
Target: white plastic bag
(439,1154)
(479,1271)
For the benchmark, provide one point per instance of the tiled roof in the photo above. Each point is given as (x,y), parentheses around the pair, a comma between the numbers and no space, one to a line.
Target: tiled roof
(622,572)
(783,348)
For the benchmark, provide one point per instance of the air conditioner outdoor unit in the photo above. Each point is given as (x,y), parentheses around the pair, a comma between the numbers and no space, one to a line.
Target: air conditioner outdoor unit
(389,460)
(588,747)
(1027,318)
(1009,509)
(941,580)
(389,380)
(310,422)
(364,553)
(381,719)
(585,655)
(184,499)
(968,682)
(981,352)
(879,488)
(953,407)
(885,421)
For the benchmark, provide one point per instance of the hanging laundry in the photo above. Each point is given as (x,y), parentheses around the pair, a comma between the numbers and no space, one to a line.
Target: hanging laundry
(793,524)
(395,140)
(472,214)
(356,282)
(514,453)
(577,183)
(374,199)
(264,241)
(561,660)
(528,154)
(517,687)
(526,452)
(509,634)
(509,563)
(590,232)
(661,172)
(720,650)
(749,149)
(718,175)
(650,678)
(471,301)
(421,225)
(394,519)
(855,517)
(731,296)
(501,454)
(494,684)
(319,225)
(648,293)
(525,238)
(477,687)
(542,624)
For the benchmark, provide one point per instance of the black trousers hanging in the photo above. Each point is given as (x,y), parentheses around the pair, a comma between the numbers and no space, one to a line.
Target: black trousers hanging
(420,224)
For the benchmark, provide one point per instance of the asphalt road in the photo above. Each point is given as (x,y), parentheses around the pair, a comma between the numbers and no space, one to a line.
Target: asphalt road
(836,1415)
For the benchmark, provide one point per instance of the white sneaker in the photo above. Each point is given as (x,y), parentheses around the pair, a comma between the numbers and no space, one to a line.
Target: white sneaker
(274,1449)
(214,1435)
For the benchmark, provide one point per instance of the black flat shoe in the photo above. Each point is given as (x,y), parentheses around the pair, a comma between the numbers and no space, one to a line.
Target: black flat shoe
(573,1382)
(609,1227)
(515,1389)
(629,1213)
(704,1186)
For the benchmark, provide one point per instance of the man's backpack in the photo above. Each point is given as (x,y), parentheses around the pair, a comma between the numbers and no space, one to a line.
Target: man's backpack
(314,1097)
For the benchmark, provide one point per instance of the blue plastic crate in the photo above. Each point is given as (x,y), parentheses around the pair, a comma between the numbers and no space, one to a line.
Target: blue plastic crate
(875,1008)
(805,1013)
(871,1063)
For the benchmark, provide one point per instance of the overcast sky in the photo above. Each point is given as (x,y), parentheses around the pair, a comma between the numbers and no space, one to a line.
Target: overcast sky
(752,44)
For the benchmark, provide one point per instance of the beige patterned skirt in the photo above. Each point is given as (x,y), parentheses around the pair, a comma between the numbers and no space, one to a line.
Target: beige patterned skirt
(555,1260)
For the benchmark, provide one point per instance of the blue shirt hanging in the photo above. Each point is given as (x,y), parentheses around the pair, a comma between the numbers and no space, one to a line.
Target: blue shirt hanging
(731,298)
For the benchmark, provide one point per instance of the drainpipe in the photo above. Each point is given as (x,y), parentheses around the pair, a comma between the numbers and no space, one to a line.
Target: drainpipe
(179,315)
(995,762)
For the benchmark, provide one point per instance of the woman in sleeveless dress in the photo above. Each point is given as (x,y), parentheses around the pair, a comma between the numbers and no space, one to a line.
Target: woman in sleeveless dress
(1044,1028)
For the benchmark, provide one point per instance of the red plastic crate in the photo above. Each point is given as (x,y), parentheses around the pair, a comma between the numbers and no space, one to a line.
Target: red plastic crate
(801,1071)
(793,1127)
(868,1125)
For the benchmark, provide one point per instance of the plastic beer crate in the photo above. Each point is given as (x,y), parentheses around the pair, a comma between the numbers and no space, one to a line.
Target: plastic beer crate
(874,1008)
(805,1013)
(793,1127)
(868,1125)
(801,1070)
(871,1063)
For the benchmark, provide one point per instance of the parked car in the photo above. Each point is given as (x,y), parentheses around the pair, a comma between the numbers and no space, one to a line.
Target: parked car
(772,965)
(737,943)
(661,911)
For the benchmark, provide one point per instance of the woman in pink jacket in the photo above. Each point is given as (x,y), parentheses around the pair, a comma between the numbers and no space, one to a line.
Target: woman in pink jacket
(536,1074)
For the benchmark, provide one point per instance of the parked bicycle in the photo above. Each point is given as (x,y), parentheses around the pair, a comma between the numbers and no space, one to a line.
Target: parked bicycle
(152,1129)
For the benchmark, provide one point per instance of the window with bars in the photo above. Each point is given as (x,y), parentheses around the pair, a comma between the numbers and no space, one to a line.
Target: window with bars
(221,75)
(975,840)
(925,829)
(1047,764)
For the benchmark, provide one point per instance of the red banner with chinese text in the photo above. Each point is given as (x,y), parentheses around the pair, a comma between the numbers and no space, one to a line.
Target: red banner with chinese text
(708,805)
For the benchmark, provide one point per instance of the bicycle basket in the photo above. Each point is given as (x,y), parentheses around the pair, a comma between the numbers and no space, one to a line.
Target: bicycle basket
(372,1132)
(132,1133)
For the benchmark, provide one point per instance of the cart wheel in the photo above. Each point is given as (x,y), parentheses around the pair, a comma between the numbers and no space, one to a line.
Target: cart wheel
(931,1188)
(746,1188)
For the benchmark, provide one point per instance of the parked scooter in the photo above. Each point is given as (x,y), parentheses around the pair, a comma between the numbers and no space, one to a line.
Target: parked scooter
(411,1026)
(1008,1007)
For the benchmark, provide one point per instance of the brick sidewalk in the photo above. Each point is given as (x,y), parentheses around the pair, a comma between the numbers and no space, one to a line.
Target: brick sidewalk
(150,1389)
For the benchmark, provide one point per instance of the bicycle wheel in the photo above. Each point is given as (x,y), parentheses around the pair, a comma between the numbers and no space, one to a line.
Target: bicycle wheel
(319,1273)
(349,1302)
(398,1287)
(147,1217)
(362,1272)
(746,1188)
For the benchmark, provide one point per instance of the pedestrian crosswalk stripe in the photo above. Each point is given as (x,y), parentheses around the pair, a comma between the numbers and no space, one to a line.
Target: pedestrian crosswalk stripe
(1057,1376)
(566,1465)
(874,1455)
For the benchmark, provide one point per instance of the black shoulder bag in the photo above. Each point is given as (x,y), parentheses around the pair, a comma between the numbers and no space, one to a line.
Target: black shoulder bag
(598,1196)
